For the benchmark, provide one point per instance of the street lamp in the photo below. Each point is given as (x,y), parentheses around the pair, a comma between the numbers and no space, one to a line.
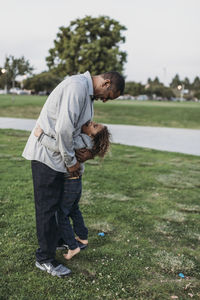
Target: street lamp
(181,88)
(3,71)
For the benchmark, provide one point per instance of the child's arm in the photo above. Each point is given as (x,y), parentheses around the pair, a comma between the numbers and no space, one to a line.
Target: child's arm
(83,141)
(46,140)
(84,153)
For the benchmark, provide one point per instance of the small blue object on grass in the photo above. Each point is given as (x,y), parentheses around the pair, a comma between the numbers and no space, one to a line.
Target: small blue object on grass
(101,234)
(181,275)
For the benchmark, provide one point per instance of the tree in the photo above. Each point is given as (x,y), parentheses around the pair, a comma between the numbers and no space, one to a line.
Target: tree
(186,83)
(2,78)
(134,88)
(156,81)
(155,87)
(160,91)
(88,44)
(175,81)
(196,84)
(14,67)
(197,94)
(45,81)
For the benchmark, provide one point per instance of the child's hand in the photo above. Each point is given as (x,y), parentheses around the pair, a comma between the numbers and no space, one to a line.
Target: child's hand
(83,154)
(38,131)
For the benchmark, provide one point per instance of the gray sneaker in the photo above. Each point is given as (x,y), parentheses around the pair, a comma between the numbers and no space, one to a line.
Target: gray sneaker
(53,268)
(62,247)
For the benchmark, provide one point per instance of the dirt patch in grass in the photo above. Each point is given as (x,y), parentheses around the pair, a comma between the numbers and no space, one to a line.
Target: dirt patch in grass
(170,262)
(130,155)
(86,198)
(117,197)
(93,162)
(178,180)
(174,216)
(30,112)
(164,228)
(189,208)
(147,164)
(2,155)
(102,226)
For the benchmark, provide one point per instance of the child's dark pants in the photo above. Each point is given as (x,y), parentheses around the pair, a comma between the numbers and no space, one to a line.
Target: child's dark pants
(69,208)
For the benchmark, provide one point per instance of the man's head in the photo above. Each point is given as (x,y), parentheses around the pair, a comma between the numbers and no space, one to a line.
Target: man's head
(108,86)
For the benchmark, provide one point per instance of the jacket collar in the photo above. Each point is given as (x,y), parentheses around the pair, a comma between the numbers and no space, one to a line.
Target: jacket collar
(89,81)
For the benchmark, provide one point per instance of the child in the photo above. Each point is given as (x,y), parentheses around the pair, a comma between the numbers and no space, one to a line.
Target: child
(95,137)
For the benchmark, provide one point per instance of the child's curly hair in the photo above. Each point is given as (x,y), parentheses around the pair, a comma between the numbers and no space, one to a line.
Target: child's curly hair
(101,142)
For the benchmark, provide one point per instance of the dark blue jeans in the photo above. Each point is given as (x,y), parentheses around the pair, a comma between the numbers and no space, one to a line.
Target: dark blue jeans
(48,191)
(69,208)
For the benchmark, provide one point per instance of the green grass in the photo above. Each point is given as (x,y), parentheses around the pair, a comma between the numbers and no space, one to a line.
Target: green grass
(145,113)
(146,202)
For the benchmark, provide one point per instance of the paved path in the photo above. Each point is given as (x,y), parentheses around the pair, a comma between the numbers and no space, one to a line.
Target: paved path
(168,139)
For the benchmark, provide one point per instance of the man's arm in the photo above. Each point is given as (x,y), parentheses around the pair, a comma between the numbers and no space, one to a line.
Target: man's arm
(83,145)
(72,101)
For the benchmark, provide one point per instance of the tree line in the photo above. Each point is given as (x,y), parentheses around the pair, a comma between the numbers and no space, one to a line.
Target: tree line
(155,88)
(87,44)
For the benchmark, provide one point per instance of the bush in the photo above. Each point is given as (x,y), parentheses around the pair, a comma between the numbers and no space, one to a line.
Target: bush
(45,81)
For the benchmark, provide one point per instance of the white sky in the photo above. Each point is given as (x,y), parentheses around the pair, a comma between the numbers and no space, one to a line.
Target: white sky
(162,37)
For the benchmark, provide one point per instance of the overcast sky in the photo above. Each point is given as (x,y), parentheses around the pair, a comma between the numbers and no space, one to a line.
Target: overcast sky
(162,37)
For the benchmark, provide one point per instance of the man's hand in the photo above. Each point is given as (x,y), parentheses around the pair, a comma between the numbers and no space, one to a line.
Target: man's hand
(83,154)
(38,131)
(74,171)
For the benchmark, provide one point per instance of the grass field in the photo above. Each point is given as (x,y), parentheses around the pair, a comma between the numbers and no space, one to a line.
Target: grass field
(146,202)
(145,113)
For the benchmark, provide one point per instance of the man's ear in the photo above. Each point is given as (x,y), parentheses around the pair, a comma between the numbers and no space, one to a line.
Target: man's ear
(106,83)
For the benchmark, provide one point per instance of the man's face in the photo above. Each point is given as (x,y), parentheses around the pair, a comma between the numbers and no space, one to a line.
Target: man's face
(105,92)
(92,128)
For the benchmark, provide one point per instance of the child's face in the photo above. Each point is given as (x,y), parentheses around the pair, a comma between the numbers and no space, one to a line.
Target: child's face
(92,128)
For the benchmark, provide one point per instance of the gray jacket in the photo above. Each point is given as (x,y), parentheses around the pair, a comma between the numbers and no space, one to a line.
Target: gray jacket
(67,108)
(81,141)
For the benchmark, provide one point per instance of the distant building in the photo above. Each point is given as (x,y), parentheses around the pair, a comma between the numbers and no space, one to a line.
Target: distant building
(18,91)
(126,97)
(142,97)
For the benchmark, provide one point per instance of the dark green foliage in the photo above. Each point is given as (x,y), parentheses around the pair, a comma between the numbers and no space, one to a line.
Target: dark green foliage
(187,84)
(134,88)
(196,84)
(14,67)
(155,87)
(45,81)
(88,44)
(175,81)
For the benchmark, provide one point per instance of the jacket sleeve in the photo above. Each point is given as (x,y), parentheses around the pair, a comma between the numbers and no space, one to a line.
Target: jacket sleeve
(72,101)
(83,141)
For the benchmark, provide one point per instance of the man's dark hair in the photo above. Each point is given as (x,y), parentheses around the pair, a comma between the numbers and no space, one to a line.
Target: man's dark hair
(116,80)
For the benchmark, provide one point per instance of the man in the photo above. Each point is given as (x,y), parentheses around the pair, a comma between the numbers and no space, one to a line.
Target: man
(68,107)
